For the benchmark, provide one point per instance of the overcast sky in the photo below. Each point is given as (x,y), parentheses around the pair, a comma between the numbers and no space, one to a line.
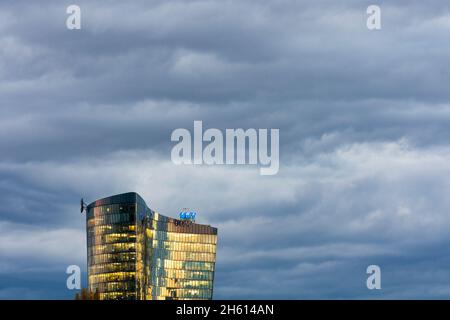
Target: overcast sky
(364,138)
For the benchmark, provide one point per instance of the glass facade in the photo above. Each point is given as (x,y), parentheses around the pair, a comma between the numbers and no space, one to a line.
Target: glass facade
(136,253)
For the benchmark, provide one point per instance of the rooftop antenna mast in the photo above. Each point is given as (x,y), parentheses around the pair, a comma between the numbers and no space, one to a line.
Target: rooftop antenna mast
(83,206)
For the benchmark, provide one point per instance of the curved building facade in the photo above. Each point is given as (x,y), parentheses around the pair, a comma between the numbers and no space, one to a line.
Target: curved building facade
(134,252)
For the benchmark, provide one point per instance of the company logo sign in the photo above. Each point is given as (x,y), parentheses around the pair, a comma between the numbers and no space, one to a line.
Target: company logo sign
(187,215)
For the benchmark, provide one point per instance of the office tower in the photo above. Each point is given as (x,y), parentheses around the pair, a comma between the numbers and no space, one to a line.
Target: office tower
(134,252)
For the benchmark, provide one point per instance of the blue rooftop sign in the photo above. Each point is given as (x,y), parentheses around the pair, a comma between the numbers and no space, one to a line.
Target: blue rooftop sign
(187,215)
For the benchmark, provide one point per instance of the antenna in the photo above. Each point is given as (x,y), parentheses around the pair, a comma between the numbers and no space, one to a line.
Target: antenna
(82,205)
